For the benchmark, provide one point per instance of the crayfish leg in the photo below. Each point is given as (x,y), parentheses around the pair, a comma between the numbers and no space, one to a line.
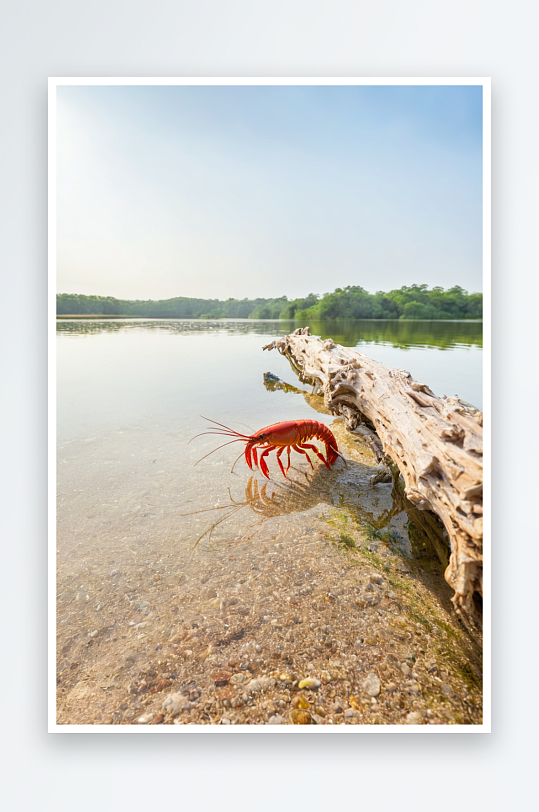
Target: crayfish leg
(317,452)
(248,450)
(279,452)
(262,462)
(301,451)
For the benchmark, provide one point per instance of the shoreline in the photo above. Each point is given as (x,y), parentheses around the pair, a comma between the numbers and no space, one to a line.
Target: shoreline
(99,316)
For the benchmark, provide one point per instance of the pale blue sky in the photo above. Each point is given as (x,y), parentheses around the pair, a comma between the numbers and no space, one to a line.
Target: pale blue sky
(267,191)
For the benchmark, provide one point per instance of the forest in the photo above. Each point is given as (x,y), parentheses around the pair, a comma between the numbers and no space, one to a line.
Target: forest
(352,302)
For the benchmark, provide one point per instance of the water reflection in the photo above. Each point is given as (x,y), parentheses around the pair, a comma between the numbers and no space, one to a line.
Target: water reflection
(403,334)
(348,332)
(364,501)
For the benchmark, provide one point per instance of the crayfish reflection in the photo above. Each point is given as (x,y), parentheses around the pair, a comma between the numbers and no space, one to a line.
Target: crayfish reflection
(270,499)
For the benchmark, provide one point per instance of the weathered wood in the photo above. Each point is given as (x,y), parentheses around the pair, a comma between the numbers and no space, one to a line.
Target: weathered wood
(436,443)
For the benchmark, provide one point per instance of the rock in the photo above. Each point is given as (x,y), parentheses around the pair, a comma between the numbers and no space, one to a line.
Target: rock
(350,713)
(146,719)
(276,720)
(175,704)
(447,691)
(299,701)
(413,718)
(224,721)
(390,687)
(376,579)
(221,679)
(371,685)
(238,679)
(301,717)
(310,683)
(405,668)
(260,684)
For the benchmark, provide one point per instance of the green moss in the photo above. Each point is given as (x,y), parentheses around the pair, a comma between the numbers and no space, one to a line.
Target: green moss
(445,627)
(467,674)
(419,619)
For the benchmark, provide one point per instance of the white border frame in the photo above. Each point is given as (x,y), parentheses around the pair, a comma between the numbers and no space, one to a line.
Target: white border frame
(485,83)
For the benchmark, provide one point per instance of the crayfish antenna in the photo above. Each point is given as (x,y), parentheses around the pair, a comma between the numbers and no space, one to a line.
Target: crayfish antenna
(237,433)
(217,449)
(237,460)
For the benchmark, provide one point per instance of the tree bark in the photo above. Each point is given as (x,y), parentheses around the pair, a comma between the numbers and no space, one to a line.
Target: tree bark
(436,443)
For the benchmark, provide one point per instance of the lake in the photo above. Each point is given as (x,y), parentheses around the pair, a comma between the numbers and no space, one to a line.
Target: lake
(180,578)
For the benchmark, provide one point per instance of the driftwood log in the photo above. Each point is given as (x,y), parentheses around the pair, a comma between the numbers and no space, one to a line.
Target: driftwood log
(436,444)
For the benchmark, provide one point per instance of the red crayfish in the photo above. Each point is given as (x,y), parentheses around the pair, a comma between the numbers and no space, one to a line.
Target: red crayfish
(289,434)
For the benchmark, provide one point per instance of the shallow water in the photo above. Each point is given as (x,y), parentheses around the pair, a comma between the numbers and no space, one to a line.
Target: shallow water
(149,602)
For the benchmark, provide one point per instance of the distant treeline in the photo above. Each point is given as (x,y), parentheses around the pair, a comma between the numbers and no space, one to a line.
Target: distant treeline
(352,302)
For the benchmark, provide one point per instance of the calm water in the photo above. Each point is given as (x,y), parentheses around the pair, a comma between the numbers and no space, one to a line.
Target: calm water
(130,398)
(111,373)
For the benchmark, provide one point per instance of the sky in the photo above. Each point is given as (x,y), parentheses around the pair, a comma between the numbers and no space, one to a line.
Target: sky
(267,191)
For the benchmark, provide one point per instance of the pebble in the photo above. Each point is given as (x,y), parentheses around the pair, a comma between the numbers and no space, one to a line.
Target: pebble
(224,720)
(447,691)
(299,701)
(146,719)
(376,579)
(310,683)
(350,713)
(371,684)
(238,679)
(413,718)
(301,717)
(405,668)
(276,720)
(260,684)
(175,704)
(390,687)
